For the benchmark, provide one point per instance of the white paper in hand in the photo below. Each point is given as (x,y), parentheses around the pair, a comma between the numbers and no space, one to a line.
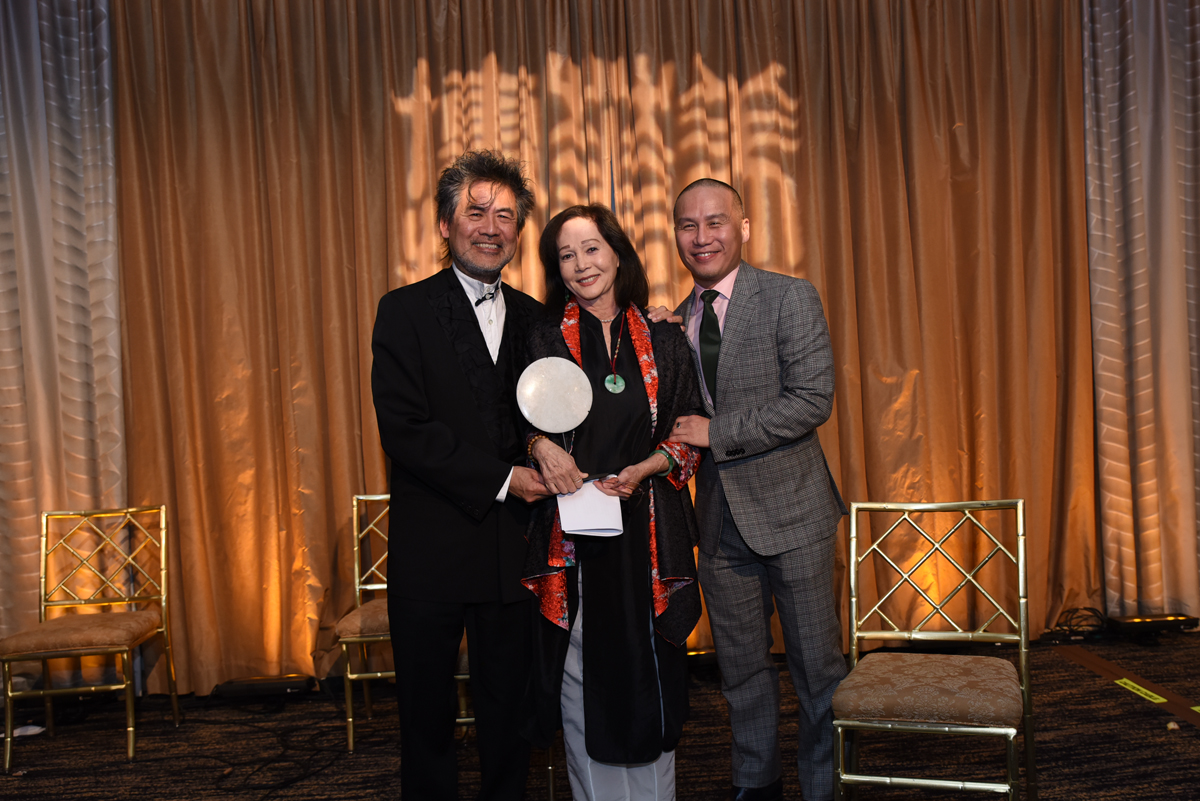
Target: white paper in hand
(589,511)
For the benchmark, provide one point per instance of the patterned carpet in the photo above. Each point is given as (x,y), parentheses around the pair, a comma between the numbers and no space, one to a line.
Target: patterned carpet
(1095,740)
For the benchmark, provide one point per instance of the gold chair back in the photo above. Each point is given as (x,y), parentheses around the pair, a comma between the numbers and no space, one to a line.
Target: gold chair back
(371,513)
(103,558)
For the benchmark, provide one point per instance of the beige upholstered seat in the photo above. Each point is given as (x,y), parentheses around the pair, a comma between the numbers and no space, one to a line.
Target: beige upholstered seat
(80,635)
(933,575)
(106,572)
(932,688)
(370,620)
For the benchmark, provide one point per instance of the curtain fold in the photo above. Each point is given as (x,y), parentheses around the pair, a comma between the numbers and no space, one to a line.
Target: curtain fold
(1142,100)
(62,443)
(921,164)
(252,198)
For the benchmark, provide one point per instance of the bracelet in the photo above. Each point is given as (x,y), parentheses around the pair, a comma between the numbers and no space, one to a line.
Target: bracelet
(670,462)
(529,447)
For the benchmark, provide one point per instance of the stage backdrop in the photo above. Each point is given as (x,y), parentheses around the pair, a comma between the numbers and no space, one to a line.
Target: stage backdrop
(920,163)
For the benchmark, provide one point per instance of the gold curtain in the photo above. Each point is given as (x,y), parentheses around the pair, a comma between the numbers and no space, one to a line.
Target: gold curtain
(920,163)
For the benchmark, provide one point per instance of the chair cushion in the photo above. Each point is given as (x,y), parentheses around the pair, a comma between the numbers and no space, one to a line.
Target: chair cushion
(368,620)
(931,688)
(82,633)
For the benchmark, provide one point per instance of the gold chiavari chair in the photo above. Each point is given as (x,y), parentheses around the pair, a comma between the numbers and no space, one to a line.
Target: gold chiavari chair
(367,624)
(937,564)
(103,592)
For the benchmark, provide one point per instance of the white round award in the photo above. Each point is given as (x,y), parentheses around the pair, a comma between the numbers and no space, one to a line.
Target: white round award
(554,394)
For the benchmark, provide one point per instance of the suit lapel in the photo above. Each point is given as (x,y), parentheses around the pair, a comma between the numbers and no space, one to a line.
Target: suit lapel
(739,318)
(457,318)
(512,339)
(684,310)
(516,319)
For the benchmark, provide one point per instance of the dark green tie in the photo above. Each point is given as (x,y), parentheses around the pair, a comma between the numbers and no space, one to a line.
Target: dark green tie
(710,342)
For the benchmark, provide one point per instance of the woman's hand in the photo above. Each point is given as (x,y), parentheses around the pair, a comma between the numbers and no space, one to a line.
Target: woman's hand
(625,483)
(558,469)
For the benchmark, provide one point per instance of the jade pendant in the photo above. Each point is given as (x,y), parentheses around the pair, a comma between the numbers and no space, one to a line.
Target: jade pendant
(614,384)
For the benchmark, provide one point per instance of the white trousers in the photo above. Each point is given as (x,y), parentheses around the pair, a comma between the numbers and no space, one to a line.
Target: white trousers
(604,781)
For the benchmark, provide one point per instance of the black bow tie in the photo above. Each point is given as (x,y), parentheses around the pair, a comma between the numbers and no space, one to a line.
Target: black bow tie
(491,293)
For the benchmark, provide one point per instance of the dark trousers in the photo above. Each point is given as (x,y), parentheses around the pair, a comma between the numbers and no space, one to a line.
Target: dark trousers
(425,641)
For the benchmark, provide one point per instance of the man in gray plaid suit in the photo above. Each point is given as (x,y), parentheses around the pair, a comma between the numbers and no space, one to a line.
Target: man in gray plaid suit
(766,503)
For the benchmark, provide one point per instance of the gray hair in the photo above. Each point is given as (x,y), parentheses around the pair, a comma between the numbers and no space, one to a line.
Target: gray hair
(486,166)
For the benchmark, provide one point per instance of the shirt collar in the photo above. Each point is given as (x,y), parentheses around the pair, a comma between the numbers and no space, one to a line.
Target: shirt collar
(724,287)
(474,289)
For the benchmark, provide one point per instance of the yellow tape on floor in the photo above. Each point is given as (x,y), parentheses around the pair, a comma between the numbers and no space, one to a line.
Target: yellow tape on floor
(1173,702)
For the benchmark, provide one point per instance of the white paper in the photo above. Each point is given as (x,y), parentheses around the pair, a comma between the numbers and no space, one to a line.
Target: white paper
(589,511)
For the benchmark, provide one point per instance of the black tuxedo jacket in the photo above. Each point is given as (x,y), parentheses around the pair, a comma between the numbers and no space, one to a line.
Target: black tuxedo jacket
(450,425)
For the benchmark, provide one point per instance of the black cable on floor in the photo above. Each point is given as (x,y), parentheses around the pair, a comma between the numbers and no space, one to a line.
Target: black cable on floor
(1077,624)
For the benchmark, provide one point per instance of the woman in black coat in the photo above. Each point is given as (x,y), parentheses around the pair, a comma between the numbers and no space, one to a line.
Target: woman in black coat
(619,690)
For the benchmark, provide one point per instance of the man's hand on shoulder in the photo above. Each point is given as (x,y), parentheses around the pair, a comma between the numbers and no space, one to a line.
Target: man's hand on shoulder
(691,429)
(659,313)
(527,485)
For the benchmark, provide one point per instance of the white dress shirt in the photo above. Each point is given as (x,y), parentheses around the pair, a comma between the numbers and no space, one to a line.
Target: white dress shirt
(489,313)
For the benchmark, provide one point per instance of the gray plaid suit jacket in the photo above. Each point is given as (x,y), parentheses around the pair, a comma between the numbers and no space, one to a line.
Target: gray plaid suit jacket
(774,387)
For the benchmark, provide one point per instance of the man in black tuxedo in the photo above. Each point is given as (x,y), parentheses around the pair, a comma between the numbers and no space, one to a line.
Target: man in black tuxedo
(447,353)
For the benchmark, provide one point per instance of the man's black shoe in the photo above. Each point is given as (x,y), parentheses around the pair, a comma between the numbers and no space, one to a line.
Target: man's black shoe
(772,792)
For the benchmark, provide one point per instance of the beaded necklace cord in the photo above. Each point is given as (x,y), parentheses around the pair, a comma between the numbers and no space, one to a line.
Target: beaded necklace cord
(614,383)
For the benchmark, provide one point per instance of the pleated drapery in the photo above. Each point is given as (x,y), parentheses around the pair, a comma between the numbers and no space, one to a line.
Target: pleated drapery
(62,441)
(921,164)
(1143,194)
